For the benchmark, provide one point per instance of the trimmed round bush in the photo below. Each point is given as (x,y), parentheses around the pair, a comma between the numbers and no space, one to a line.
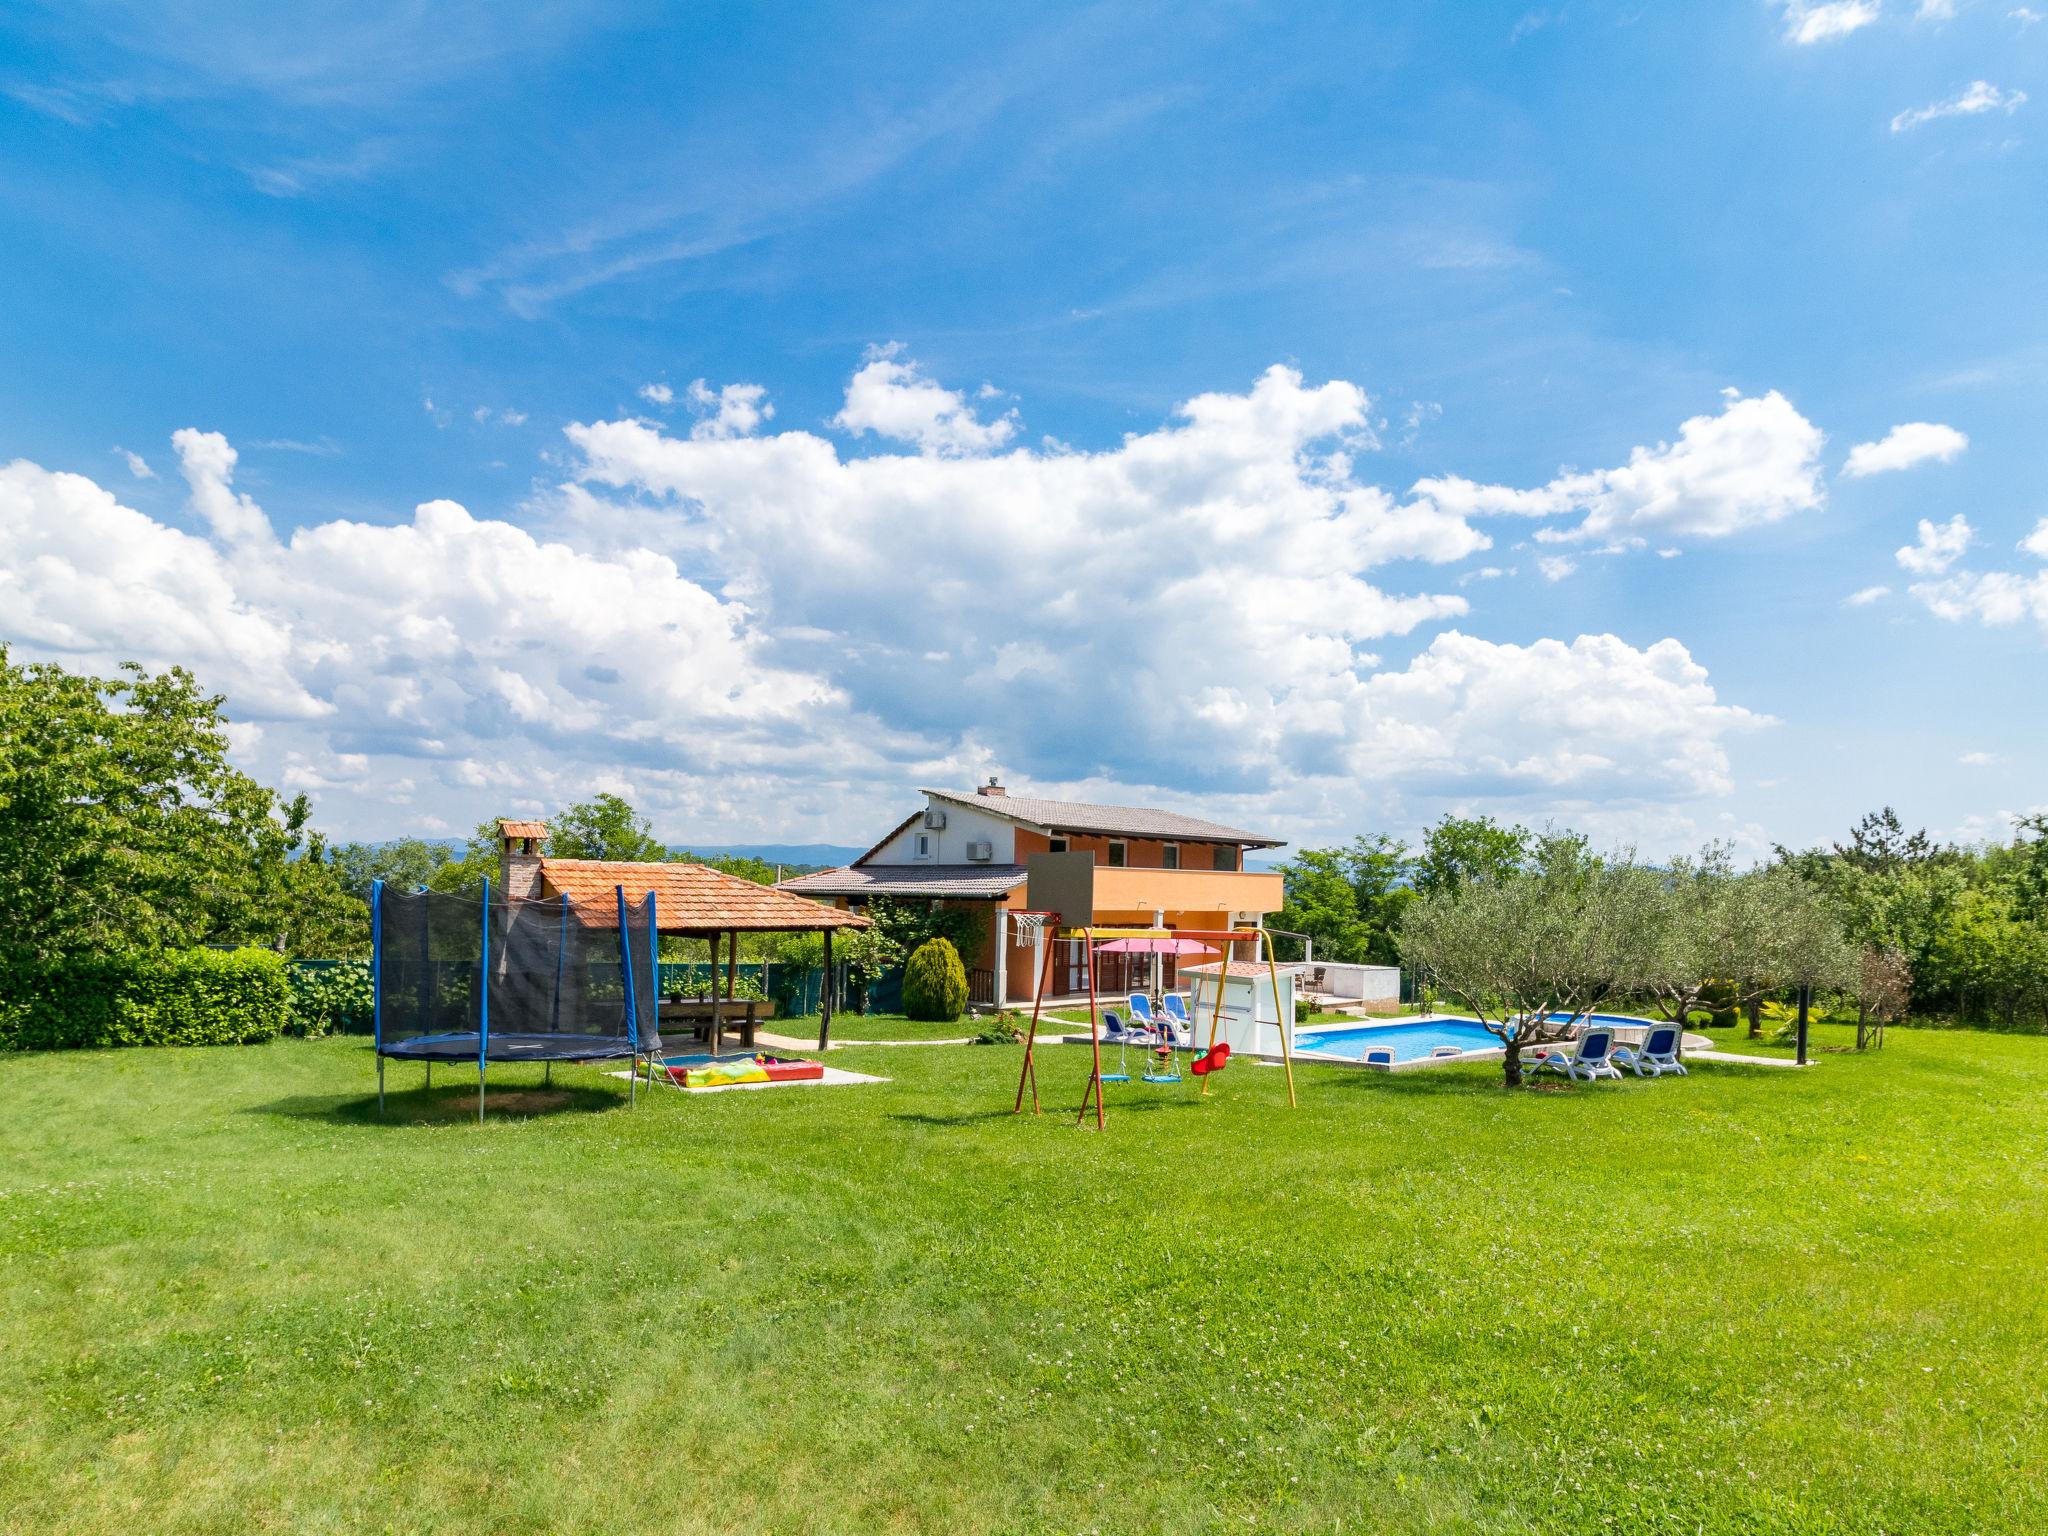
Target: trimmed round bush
(935,983)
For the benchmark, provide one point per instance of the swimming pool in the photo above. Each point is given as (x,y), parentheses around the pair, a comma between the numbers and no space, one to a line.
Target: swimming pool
(1407,1041)
(1421,1038)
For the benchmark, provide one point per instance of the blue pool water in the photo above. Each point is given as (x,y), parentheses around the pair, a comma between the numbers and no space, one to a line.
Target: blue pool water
(1409,1041)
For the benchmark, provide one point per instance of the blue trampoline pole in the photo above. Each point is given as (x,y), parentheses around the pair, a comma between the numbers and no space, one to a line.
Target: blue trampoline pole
(483,1007)
(626,973)
(377,981)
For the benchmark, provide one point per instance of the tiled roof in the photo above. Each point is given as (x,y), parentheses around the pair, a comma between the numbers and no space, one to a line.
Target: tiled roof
(990,880)
(691,898)
(1112,820)
(521,828)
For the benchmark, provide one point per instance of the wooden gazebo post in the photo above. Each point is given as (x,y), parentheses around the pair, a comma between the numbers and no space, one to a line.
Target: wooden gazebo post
(711,993)
(732,966)
(825,999)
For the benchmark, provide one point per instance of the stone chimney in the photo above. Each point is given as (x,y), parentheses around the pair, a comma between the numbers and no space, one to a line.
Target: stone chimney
(519,845)
(993,788)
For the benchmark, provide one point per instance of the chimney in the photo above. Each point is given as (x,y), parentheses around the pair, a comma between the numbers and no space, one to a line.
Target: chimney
(993,788)
(519,845)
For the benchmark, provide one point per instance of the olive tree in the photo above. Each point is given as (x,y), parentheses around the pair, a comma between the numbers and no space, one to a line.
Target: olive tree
(1795,940)
(1708,924)
(1535,950)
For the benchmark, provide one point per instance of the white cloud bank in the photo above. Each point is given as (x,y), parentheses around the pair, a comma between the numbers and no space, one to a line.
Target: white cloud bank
(1908,444)
(1979,96)
(758,635)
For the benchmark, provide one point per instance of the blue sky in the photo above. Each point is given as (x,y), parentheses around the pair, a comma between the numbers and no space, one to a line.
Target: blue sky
(1600,299)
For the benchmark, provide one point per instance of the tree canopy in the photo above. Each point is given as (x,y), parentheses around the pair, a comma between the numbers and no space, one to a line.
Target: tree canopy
(124,826)
(604,827)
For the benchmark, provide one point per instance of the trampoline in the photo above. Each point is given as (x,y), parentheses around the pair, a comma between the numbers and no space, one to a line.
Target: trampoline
(462,980)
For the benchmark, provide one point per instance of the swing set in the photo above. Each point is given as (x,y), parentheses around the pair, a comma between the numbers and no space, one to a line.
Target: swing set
(1166,1070)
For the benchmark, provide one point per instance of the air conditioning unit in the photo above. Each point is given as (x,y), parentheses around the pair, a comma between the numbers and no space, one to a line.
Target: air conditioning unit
(935,819)
(979,853)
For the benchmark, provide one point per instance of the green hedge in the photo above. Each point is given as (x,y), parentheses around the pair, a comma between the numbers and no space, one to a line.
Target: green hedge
(152,997)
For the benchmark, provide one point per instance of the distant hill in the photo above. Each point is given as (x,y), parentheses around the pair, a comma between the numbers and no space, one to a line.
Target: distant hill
(800,858)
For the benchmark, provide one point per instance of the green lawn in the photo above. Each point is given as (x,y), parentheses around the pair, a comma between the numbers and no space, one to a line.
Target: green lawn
(881,1026)
(1755,1300)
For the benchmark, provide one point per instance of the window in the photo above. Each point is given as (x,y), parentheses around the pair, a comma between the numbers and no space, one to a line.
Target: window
(924,845)
(1057,844)
(1117,855)
(1169,856)
(1226,857)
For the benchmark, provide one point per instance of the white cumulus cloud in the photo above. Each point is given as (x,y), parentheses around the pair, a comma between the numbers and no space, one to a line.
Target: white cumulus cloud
(1754,463)
(892,399)
(1937,546)
(657,394)
(1863,597)
(735,410)
(1807,22)
(1989,597)
(1908,444)
(1977,97)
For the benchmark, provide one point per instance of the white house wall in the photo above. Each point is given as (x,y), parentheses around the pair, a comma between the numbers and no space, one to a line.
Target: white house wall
(964,825)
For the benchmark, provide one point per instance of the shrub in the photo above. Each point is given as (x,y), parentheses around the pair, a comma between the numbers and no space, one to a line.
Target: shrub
(149,997)
(935,983)
(327,999)
(1304,1010)
(1001,1029)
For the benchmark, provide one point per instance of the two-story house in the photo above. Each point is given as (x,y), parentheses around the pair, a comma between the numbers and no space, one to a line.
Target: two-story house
(1152,869)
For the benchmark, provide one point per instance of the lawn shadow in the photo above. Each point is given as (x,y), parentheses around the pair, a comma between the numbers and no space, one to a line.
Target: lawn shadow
(965,1117)
(1438,1082)
(441,1106)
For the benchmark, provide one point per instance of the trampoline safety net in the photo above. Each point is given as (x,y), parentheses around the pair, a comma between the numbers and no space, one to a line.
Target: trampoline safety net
(458,979)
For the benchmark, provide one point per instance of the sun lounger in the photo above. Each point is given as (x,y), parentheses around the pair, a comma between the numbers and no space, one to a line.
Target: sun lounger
(1141,1010)
(1591,1060)
(1116,1027)
(1657,1055)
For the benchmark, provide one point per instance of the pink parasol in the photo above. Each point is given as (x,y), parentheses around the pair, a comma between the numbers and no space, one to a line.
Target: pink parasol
(1156,947)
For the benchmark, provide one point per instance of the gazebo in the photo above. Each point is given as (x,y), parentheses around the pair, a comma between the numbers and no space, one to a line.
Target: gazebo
(691,901)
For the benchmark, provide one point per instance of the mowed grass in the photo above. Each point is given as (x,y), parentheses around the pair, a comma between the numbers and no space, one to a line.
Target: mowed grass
(1755,1300)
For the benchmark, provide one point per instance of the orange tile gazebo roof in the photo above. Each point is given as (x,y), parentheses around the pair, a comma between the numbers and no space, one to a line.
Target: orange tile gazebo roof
(692,898)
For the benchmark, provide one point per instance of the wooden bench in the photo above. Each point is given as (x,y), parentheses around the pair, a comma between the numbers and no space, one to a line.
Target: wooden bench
(693,1015)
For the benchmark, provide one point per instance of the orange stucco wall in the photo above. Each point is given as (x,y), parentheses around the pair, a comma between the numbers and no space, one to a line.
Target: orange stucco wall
(1139,852)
